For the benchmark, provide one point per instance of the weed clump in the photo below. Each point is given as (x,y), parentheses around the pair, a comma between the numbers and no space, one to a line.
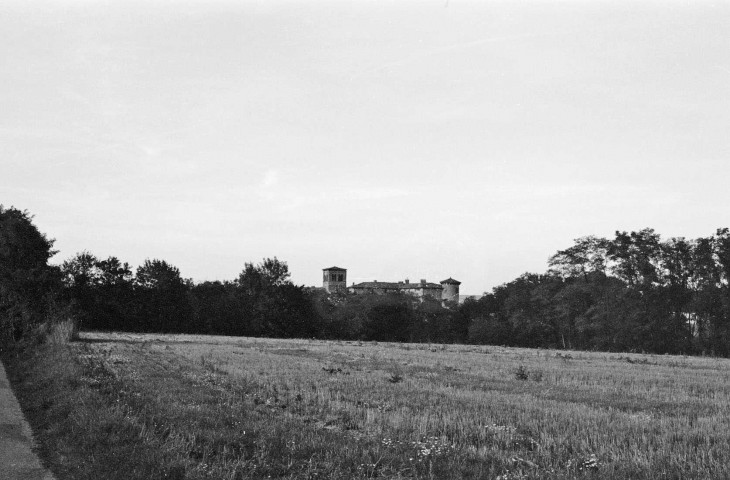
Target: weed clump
(521,373)
(333,370)
(395,378)
(639,361)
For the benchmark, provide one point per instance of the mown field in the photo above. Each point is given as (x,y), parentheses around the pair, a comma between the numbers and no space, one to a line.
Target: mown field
(193,407)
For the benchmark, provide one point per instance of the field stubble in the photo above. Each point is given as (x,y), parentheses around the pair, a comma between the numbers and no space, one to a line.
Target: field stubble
(189,407)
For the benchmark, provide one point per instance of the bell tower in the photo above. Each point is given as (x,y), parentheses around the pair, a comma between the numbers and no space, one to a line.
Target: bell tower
(334,279)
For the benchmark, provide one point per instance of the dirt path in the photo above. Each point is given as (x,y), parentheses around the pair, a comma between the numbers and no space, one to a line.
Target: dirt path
(17,459)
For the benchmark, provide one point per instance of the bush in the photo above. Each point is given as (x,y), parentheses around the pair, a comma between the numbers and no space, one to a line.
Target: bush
(28,284)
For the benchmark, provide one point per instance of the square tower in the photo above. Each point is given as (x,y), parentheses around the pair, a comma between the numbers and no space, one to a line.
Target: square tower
(334,279)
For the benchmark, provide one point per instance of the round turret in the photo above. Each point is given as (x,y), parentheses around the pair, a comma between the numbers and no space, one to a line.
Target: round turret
(450,292)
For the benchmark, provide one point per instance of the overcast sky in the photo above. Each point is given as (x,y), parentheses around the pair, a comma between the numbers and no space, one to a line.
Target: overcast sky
(395,139)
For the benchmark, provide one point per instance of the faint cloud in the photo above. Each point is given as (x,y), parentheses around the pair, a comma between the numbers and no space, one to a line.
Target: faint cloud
(289,198)
(375,193)
(271,179)
(269,184)
(150,151)
(75,97)
(450,49)
(554,191)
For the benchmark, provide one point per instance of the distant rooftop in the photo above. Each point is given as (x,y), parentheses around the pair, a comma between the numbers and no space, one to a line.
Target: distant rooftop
(451,281)
(336,268)
(397,285)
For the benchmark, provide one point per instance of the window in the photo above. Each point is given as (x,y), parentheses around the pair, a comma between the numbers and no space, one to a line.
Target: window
(340,278)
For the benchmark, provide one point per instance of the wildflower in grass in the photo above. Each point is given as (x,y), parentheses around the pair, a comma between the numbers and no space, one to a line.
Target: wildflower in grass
(387,442)
(591,463)
(584,464)
(425,448)
(430,447)
(494,428)
(370,468)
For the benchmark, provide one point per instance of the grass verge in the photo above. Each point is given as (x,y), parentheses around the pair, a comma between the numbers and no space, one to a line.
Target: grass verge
(82,430)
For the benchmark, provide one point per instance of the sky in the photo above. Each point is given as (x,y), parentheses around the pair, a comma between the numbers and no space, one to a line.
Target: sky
(397,139)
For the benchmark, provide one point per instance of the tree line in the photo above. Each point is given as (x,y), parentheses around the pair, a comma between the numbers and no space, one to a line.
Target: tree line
(105,294)
(633,292)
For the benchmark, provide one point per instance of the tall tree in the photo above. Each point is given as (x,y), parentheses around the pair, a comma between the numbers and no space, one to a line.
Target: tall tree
(100,291)
(115,293)
(81,277)
(721,329)
(636,257)
(588,254)
(162,298)
(28,284)
(273,305)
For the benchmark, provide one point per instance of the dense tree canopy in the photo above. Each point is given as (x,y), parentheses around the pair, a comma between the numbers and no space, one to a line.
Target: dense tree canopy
(632,292)
(27,283)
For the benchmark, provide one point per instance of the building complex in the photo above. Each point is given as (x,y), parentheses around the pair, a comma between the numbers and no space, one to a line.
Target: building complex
(335,280)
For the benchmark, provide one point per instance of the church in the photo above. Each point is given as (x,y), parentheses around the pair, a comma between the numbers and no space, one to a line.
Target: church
(335,279)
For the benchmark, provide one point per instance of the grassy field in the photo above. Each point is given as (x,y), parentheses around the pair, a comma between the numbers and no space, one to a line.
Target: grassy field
(193,407)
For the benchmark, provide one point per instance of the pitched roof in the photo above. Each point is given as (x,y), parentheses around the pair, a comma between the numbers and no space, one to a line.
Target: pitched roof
(451,281)
(389,285)
(397,285)
(336,268)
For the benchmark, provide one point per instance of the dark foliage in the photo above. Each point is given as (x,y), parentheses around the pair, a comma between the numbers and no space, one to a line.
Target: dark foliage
(634,292)
(28,285)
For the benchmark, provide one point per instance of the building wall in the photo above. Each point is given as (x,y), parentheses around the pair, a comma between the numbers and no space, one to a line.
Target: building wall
(450,293)
(413,289)
(421,292)
(334,280)
(375,290)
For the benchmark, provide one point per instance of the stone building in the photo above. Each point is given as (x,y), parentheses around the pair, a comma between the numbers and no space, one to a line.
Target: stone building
(334,279)
(451,290)
(447,290)
(421,289)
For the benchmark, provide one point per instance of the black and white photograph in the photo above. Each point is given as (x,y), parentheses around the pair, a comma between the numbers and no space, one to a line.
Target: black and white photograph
(364,239)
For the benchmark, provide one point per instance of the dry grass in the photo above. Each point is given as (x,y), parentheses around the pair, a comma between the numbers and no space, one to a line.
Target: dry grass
(62,332)
(198,407)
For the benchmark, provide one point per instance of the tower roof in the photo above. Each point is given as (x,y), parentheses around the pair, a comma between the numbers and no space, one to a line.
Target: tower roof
(336,268)
(451,281)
